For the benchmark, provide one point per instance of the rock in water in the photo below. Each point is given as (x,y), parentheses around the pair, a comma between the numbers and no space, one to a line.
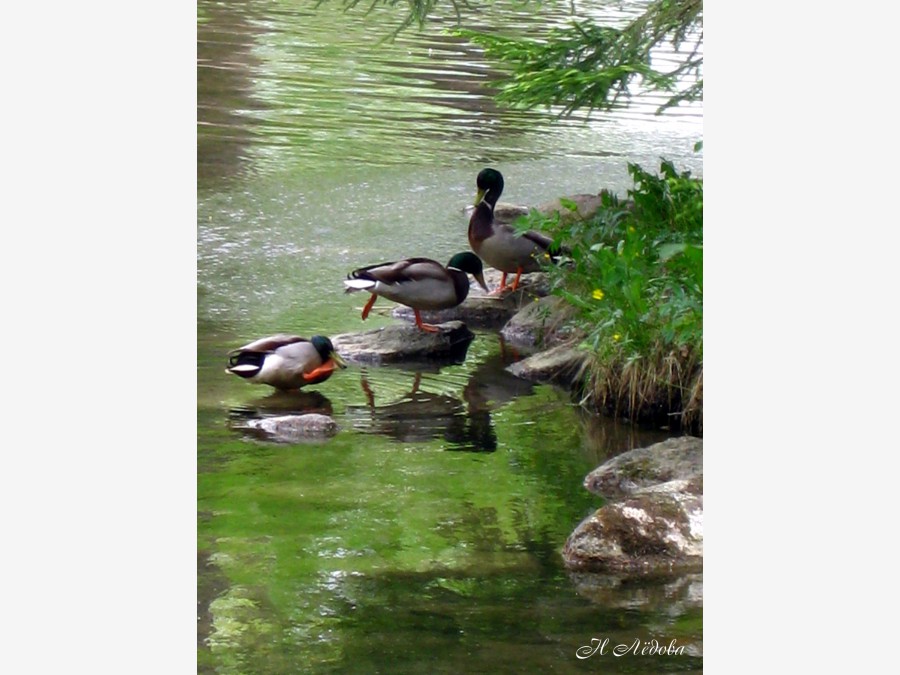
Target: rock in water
(295,428)
(672,460)
(657,524)
(405,342)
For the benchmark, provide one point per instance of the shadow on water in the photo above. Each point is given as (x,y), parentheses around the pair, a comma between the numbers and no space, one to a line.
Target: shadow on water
(283,403)
(463,623)
(420,415)
(226,64)
(468,622)
(462,419)
(250,421)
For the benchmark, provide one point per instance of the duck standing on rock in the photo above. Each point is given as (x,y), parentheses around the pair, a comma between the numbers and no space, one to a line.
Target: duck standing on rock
(419,283)
(498,244)
(285,361)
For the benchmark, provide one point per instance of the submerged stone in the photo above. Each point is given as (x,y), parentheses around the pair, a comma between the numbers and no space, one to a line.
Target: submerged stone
(404,342)
(294,428)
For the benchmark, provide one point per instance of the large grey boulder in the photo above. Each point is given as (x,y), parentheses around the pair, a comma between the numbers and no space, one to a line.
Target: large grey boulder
(657,523)
(404,342)
(675,459)
(649,532)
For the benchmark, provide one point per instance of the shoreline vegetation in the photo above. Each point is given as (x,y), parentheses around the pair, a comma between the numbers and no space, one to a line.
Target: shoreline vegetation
(634,282)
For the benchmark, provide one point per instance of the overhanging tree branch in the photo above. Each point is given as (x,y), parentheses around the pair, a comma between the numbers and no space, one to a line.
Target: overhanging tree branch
(585,65)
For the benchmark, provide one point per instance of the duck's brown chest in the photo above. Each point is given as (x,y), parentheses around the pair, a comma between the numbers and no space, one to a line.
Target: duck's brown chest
(481,225)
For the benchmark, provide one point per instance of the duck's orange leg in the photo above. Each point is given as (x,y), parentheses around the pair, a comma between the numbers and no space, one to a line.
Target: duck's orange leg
(368,307)
(427,327)
(515,283)
(321,373)
(498,291)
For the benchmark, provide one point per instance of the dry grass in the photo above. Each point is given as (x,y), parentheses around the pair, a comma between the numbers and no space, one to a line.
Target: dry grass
(664,389)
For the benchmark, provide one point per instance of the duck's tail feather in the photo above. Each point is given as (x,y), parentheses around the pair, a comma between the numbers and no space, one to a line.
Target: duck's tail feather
(354,285)
(245,364)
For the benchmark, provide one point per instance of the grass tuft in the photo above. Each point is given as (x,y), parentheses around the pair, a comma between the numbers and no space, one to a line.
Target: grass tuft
(634,274)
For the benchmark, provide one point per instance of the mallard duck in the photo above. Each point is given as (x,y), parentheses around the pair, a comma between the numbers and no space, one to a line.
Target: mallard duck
(498,244)
(285,361)
(419,283)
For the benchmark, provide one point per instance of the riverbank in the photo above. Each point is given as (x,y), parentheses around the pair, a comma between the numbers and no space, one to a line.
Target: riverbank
(626,322)
(661,391)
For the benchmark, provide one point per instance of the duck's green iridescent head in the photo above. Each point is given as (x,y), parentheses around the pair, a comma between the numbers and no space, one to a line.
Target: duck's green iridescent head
(490,186)
(470,263)
(326,350)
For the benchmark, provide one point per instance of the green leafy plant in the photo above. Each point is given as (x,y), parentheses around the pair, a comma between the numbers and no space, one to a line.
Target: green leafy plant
(588,66)
(635,275)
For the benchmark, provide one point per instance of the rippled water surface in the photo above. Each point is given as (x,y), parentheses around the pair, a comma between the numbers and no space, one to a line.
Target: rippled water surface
(425,536)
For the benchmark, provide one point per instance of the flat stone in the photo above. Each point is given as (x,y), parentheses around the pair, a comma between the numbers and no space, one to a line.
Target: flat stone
(562,365)
(404,342)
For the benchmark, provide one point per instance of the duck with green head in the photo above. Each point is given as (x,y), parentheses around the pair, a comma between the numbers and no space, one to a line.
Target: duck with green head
(285,361)
(498,244)
(419,283)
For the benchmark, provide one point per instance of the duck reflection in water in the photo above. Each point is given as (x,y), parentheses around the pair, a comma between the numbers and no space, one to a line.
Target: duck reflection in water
(276,404)
(420,416)
(465,423)
(492,386)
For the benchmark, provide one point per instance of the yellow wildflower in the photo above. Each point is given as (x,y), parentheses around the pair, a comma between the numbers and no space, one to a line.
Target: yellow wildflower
(597,294)
(616,337)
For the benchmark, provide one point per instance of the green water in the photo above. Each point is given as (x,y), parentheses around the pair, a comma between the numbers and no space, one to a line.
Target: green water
(424,536)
